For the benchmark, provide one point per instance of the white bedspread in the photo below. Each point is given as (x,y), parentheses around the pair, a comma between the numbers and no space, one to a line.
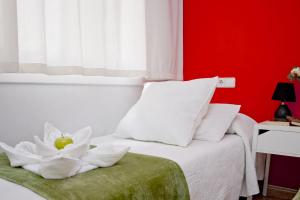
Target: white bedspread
(214,171)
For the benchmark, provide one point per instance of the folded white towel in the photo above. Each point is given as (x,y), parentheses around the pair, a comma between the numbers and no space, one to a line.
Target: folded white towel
(105,155)
(44,159)
(18,156)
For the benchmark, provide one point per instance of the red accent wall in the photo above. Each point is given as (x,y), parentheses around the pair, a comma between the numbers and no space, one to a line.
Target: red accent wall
(256,41)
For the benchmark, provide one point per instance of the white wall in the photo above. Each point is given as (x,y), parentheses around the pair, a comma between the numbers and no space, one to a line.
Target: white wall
(28,101)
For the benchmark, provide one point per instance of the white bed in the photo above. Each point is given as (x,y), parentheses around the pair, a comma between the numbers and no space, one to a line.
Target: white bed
(214,171)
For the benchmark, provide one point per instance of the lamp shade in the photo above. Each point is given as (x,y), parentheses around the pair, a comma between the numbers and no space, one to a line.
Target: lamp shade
(284,92)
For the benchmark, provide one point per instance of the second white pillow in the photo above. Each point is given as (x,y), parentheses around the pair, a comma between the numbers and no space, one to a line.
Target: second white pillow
(216,122)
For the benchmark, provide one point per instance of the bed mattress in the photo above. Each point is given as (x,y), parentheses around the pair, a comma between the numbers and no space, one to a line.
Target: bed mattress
(214,171)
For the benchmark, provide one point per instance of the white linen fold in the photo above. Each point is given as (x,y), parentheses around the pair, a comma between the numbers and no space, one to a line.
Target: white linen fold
(243,126)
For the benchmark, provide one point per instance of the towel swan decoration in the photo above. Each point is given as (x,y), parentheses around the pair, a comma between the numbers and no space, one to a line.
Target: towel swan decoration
(43,158)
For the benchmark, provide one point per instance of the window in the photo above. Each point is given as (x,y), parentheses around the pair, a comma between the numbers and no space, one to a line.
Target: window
(98,37)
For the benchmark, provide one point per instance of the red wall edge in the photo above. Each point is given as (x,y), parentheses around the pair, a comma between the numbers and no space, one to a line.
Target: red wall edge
(256,41)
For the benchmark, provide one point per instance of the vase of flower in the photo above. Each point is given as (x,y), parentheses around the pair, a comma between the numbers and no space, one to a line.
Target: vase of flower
(294,74)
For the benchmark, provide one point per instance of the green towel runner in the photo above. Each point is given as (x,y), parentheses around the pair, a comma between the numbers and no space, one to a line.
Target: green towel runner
(136,177)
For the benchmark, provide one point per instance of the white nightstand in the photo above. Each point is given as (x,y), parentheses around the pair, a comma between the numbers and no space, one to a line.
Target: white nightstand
(275,139)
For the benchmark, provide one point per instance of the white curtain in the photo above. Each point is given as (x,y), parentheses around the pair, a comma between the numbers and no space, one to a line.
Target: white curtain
(100,37)
(164,30)
(8,36)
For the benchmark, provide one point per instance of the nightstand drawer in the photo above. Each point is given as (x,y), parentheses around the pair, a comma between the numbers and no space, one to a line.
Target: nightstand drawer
(279,142)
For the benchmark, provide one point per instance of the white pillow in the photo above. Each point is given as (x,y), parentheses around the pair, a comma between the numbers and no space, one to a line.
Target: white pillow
(168,112)
(216,122)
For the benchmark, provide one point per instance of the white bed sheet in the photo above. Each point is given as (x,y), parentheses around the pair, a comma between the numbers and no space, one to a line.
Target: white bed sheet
(214,171)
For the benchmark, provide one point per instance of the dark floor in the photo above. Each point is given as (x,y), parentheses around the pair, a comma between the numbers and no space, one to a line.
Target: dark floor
(266,198)
(273,194)
(260,197)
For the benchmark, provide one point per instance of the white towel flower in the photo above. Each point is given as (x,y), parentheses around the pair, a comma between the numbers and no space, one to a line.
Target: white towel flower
(43,158)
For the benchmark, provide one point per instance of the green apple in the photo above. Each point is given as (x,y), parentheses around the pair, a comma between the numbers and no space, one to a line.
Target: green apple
(62,141)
